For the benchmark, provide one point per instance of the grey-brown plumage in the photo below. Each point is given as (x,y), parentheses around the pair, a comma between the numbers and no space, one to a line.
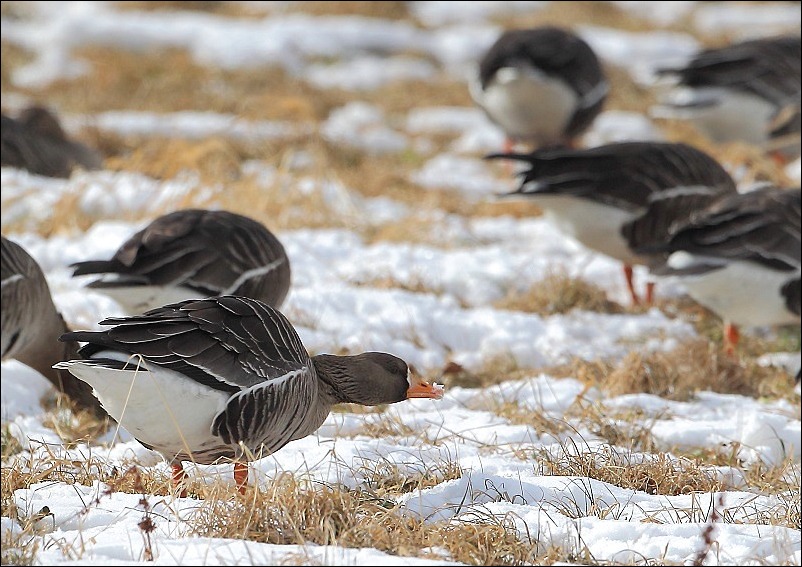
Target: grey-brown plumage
(194,253)
(528,112)
(625,175)
(36,142)
(240,375)
(741,256)
(760,226)
(31,324)
(615,198)
(749,91)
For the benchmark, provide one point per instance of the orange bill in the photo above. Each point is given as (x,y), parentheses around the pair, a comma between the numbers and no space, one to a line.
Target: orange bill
(425,390)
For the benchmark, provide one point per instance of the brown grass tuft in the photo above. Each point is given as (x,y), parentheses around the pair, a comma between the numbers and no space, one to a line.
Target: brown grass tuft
(214,159)
(559,293)
(289,512)
(73,424)
(653,474)
(385,10)
(13,57)
(692,366)
(495,370)
(233,9)
(386,478)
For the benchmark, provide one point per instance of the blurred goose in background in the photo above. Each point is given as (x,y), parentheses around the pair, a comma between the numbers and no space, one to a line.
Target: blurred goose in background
(36,142)
(191,254)
(594,195)
(226,377)
(740,257)
(542,86)
(31,324)
(747,91)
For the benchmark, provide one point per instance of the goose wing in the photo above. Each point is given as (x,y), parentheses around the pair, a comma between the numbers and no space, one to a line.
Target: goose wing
(212,252)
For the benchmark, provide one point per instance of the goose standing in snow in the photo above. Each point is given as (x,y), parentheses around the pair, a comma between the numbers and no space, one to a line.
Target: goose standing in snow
(747,91)
(31,324)
(594,195)
(226,377)
(543,86)
(190,254)
(740,257)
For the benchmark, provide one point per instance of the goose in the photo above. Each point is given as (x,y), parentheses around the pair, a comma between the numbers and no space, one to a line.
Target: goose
(594,195)
(226,378)
(31,324)
(747,91)
(190,254)
(543,86)
(740,258)
(36,142)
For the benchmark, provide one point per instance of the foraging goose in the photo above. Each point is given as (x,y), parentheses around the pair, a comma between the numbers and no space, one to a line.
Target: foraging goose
(594,194)
(31,324)
(36,142)
(191,254)
(748,91)
(543,85)
(740,257)
(226,377)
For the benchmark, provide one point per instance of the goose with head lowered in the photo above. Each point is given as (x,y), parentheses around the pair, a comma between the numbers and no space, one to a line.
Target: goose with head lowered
(593,195)
(31,324)
(190,254)
(543,86)
(740,257)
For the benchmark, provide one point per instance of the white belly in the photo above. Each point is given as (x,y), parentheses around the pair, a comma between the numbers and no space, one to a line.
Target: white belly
(596,226)
(161,408)
(743,293)
(528,105)
(736,117)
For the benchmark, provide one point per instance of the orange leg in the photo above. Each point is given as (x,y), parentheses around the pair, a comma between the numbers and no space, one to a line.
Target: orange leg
(630,286)
(778,158)
(731,336)
(649,293)
(241,476)
(179,476)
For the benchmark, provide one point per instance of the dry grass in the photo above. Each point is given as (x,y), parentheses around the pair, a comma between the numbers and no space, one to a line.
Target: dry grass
(385,10)
(71,423)
(386,479)
(653,474)
(559,293)
(573,14)
(171,81)
(289,512)
(628,428)
(694,365)
(542,423)
(230,9)
(494,370)
(13,58)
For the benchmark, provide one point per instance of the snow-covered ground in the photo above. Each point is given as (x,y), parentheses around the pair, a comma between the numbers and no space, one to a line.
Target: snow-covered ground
(466,264)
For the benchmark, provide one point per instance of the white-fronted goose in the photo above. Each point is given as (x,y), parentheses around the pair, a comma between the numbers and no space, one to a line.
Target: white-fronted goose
(595,194)
(31,324)
(748,91)
(191,254)
(740,257)
(542,86)
(226,377)
(36,142)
